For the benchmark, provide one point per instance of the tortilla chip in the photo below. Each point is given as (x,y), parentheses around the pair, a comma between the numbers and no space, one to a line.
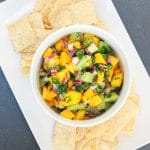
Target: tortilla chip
(99,23)
(80,132)
(98,144)
(26,63)
(60,17)
(90,145)
(22,34)
(41,34)
(36,21)
(44,7)
(25,71)
(83,12)
(64,137)
(128,129)
(40,5)
(47,27)
(27,56)
(118,122)
(105,145)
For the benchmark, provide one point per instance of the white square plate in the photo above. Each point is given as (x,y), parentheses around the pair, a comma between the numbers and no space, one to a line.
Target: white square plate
(39,122)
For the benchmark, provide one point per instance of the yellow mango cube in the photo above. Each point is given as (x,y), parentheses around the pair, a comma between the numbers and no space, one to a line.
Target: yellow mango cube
(118,70)
(59,45)
(100,76)
(77,45)
(96,100)
(48,52)
(99,59)
(87,95)
(117,80)
(72,98)
(70,83)
(48,95)
(62,75)
(67,114)
(114,61)
(80,115)
(65,59)
(96,40)
(110,72)
(87,35)
(70,67)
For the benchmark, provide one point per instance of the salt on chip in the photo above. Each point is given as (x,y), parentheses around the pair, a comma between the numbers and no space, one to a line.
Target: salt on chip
(22,34)
(83,12)
(60,17)
(64,137)
(36,21)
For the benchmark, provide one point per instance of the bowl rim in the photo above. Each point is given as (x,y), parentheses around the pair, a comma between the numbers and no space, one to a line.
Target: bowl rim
(50,40)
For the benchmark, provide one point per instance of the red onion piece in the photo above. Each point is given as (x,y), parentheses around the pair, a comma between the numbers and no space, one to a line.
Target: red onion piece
(53,71)
(51,56)
(77,82)
(72,52)
(109,60)
(54,88)
(107,90)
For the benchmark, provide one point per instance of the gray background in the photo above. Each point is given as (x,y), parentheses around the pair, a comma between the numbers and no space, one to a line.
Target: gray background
(14,131)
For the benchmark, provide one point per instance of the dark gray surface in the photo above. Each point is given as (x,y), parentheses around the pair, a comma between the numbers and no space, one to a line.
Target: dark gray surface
(14,131)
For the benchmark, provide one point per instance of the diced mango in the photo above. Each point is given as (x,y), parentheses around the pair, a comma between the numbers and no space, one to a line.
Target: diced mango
(110,72)
(54,61)
(72,98)
(65,59)
(66,38)
(87,95)
(51,103)
(96,100)
(100,76)
(77,45)
(62,75)
(114,61)
(87,35)
(80,115)
(99,59)
(70,67)
(48,52)
(67,114)
(118,70)
(70,83)
(59,45)
(65,49)
(96,40)
(117,80)
(48,95)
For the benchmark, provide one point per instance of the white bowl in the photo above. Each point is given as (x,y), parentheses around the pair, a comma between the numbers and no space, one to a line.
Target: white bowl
(49,41)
